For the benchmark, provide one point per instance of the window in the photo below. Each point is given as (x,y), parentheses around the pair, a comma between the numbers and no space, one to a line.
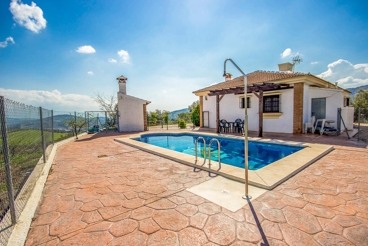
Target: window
(271,104)
(241,102)
(346,102)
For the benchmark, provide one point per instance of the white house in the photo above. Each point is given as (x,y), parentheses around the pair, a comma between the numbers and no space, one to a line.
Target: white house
(286,99)
(132,110)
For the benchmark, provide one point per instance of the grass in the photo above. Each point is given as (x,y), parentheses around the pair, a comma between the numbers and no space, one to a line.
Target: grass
(25,149)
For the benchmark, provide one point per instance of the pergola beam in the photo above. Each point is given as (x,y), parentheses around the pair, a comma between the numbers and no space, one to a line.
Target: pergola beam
(256,89)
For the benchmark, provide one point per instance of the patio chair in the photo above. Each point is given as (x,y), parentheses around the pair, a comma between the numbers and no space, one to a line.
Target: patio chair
(319,126)
(224,125)
(310,124)
(241,127)
(237,124)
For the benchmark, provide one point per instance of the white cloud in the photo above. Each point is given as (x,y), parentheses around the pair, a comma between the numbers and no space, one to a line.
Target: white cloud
(124,55)
(164,91)
(346,74)
(90,73)
(86,49)
(51,99)
(29,16)
(314,63)
(6,42)
(288,53)
(112,60)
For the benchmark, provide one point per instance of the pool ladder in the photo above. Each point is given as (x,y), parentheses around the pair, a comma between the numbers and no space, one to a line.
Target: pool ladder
(209,154)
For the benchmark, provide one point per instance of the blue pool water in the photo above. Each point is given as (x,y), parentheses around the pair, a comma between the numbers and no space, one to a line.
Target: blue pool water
(231,150)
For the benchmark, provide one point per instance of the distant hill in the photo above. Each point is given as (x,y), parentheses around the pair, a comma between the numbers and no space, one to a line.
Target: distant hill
(174,114)
(355,90)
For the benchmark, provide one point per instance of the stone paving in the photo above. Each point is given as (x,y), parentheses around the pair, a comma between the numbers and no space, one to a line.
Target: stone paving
(100,192)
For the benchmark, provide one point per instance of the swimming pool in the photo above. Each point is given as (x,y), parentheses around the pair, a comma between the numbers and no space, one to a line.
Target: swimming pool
(231,151)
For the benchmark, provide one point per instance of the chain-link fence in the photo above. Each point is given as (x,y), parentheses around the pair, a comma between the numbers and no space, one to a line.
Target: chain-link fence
(361,122)
(27,136)
(165,124)
(101,121)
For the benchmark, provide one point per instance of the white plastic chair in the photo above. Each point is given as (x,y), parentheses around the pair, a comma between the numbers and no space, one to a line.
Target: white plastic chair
(319,126)
(310,124)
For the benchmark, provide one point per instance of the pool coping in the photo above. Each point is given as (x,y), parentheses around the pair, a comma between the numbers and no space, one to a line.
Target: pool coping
(267,177)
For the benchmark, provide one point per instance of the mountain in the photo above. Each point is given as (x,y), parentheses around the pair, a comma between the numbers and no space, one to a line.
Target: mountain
(174,114)
(355,90)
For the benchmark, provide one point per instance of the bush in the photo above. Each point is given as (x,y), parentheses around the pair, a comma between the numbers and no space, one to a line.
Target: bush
(195,117)
(182,123)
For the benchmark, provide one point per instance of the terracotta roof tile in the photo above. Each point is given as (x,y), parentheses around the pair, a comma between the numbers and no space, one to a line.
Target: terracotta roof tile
(253,78)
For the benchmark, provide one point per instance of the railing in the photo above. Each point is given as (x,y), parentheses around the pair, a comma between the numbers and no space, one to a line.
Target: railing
(209,154)
(27,137)
(218,154)
(196,152)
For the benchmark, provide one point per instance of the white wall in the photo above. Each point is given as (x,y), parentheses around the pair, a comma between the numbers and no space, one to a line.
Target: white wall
(285,122)
(130,113)
(334,100)
(306,105)
(347,114)
(230,111)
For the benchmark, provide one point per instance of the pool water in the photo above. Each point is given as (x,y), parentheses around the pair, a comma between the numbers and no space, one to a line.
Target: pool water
(231,150)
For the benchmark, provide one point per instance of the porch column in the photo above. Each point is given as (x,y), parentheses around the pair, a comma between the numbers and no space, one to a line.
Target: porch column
(145,128)
(298,108)
(201,111)
(217,113)
(260,110)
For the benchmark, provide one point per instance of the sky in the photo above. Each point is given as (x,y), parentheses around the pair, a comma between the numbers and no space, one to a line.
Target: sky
(60,54)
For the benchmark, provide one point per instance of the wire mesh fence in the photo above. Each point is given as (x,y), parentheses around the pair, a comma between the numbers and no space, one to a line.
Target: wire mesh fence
(162,124)
(20,153)
(361,122)
(27,136)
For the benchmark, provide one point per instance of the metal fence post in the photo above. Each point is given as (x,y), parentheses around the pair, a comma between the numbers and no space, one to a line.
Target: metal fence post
(358,124)
(75,125)
(52,126)
(9,182)
(105,121)
(42,137)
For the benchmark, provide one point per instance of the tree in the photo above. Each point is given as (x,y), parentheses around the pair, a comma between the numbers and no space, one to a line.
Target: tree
(193,106)
(184,116)
(76,123)
(360,99)
(166,118)
(195,117)
(108,104)
(153,118)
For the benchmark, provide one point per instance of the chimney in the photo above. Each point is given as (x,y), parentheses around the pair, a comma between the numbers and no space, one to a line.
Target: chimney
(286,67)
(228,77)
(122,84)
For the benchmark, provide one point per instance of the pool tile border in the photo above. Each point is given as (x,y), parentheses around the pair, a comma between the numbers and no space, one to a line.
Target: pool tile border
(267,177)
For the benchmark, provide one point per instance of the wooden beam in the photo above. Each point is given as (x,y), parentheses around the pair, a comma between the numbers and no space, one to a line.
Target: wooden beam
(221,98)
(260,128)
(255,93)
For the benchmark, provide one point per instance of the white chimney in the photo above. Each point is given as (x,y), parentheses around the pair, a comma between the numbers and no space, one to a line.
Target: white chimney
(286,67)
(228,77)
(122,84)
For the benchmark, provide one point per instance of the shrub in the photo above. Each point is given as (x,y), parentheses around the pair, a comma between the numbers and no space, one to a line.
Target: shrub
(195,117)
(182,123)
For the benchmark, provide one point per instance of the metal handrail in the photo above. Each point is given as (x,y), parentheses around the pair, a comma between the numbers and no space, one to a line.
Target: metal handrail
(196,152)
(218,155)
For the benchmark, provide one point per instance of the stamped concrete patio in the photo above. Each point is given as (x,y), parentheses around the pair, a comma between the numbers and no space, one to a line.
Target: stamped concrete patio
(101,192)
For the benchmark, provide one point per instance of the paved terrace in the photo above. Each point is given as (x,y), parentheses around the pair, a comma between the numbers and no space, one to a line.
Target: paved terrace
(100,192)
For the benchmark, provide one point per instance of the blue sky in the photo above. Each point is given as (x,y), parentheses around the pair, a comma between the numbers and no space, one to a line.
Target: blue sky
(57,54)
